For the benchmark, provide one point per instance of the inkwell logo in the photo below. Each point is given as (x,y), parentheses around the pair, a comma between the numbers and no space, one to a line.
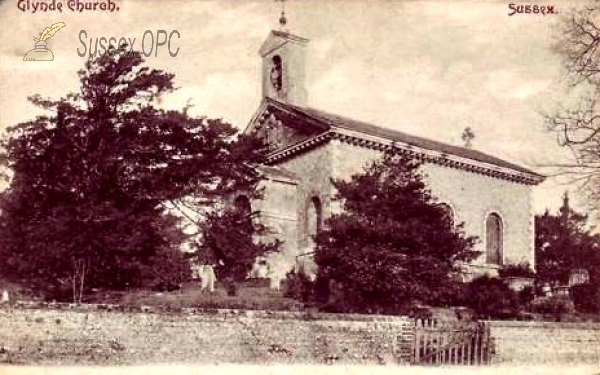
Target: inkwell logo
(40,52)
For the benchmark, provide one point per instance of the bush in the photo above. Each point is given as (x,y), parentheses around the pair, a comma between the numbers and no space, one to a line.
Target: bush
(526,295)
(516,270)
(491,297)
(299,287)
(585,298)
(452,294)
(555,306)
(166,271)
(330,296)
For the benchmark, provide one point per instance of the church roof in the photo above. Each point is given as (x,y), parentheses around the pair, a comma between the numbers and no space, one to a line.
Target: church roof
(394,135)
(332,122)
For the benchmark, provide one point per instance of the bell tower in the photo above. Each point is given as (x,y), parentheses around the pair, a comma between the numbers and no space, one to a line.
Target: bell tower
(283,66)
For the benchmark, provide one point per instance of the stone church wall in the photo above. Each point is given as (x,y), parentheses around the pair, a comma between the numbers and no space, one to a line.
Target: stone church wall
(313,170)
(278,211)
(471,196)
(286,203)
(474,196)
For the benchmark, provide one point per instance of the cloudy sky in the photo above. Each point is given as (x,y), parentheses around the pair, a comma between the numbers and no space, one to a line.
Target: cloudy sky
(430,68)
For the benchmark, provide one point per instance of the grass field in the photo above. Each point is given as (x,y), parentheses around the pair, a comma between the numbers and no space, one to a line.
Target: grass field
(248,297)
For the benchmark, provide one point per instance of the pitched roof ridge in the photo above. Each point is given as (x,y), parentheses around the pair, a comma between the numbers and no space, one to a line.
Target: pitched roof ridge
(305,110)
(342,122)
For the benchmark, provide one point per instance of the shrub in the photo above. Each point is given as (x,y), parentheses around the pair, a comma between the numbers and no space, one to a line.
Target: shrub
(451,294)
(166,271)
(299,286)
(330,296)
(420,312)
(526,295)
(516,270)
(585,298)
(555,306)
(491,297)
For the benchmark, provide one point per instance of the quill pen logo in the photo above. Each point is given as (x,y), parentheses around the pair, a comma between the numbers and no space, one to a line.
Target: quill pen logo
(40,52)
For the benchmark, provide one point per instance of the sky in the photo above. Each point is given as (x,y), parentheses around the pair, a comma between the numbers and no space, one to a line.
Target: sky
(428,68)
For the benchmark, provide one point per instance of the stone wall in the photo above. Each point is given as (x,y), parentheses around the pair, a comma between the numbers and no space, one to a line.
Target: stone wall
(546,342)
(107,335)
(69,336)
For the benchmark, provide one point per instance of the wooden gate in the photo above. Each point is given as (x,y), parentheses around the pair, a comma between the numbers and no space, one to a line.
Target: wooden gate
(452,343)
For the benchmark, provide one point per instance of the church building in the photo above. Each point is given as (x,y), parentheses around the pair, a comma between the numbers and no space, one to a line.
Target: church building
(309,147)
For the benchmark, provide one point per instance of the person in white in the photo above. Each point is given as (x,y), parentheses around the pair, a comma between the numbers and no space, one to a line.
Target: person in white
(207,276)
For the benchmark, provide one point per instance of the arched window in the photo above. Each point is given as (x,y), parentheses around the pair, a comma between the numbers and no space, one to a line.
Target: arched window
(243,207)
(313,216)
(276,73)
(449,213)
(242,204)
(493,228)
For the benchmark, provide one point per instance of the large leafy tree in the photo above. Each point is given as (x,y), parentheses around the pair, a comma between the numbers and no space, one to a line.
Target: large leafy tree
(564,242)
(393,243)
(85,207)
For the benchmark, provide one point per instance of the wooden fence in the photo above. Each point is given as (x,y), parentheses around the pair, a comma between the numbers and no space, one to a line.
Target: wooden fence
(455,343)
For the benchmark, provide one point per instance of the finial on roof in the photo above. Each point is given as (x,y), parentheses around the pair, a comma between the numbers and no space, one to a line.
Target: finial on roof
(282,19)
(566,200)
(467,136)
(565,209)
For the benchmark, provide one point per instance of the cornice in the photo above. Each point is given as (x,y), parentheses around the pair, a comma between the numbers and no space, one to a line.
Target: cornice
(424,155)
(299,147)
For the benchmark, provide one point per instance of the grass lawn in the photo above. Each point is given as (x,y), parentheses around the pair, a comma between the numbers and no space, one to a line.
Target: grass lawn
(249,297)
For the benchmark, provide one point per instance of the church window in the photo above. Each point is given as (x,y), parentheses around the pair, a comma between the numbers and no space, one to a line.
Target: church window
(243,206)
(493,226)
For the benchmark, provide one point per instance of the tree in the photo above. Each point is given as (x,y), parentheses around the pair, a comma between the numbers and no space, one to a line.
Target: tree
(564,242)
(231,241)
(578,124)
(86,204)
(393,244)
